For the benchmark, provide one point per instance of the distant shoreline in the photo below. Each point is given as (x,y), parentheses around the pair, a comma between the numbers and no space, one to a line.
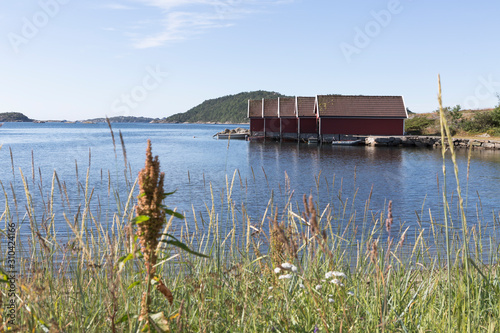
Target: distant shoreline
(117,122)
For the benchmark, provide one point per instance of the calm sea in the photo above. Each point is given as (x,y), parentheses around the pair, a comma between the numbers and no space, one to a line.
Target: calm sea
(200,168)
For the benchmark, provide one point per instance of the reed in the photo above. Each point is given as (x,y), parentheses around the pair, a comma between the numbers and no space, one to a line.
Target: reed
(297,267)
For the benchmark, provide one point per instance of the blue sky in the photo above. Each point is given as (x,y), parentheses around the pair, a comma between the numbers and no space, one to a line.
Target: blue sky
(70,59)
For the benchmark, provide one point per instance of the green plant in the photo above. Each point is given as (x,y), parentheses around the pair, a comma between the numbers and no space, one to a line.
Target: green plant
(495,115)
(150,221)
(418,124)
(480,122)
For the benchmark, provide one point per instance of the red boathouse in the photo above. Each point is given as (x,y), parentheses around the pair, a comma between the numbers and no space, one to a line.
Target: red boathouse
(327,117)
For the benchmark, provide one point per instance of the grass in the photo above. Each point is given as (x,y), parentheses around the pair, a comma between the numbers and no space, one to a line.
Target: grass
(297,268)
(469,124)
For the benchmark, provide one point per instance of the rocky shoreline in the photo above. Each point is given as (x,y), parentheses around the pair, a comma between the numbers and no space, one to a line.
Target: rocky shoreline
(429,141)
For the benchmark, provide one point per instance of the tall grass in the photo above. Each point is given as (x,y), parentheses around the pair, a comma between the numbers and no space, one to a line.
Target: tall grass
(297,267)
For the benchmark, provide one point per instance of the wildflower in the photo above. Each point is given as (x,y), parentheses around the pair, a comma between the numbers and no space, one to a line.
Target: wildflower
(337,282)
(277,270)
(270,297)
(285,276)
(330,300)
(329,275)
(301,286)
(350,293)
(289,267)
(270,288)
(318,287)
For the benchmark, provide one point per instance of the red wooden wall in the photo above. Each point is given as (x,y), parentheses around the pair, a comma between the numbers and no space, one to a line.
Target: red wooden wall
(289,125)
(308,125)
(272,125)
(362,126)
(256,124)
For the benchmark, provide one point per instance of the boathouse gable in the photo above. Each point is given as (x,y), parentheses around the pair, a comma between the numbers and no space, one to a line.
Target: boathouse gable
(288,118)
(271,118)
(308,121)
(256,116)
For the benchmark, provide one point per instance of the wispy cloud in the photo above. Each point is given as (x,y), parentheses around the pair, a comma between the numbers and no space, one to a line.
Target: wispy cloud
(117,6)
(183,19)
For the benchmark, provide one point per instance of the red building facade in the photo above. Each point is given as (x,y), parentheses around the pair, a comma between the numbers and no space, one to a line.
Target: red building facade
(327,117)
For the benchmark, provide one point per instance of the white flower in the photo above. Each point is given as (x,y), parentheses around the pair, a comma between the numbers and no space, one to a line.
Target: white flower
(350,293)
(331,300)
(285,276)
(329,275)
(277,270)
(337,282)
(289,267)
(270,288)
(301,286)
(318,287)
(270,297)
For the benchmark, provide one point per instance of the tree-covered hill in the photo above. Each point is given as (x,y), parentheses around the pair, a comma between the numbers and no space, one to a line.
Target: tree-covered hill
(227,109)
(14,117)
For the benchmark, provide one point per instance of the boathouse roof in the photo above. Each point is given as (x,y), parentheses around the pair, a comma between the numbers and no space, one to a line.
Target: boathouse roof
(305,106)
(255,108)
(360,106)
(287,107)
(271,108)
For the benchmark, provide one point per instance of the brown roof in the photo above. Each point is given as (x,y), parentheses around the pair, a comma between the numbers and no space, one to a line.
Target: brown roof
(287,106)
(271,107)
(255,108)
(361,106)
(305,106)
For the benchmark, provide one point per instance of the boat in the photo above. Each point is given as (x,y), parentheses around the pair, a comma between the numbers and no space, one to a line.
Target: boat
(346,142)
(232,136)
(312,141)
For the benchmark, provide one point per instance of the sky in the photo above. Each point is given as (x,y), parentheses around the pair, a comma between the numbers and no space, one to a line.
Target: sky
(74,60)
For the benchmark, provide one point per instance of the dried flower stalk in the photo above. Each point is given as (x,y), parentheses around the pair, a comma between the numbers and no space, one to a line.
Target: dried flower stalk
(149,204)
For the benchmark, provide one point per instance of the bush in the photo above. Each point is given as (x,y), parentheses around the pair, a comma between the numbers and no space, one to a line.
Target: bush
(416,125)
(480,122)
(495,116)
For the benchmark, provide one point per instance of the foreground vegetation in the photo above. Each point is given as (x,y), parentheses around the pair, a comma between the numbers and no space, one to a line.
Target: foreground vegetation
(461,122)
(296,268)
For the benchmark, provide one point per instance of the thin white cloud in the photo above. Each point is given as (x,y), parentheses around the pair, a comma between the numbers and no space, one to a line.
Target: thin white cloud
(183,19)
(117,6)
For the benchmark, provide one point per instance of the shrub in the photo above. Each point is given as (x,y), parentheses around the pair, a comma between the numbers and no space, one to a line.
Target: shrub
(416,125)
(480,122)
(495,116)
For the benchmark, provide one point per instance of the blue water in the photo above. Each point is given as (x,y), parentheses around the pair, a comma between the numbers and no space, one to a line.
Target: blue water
(194,163)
